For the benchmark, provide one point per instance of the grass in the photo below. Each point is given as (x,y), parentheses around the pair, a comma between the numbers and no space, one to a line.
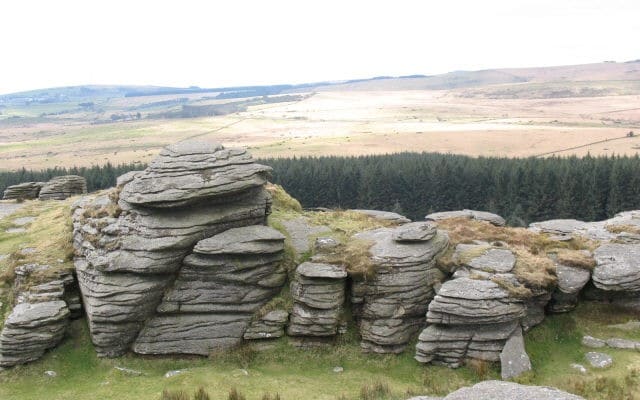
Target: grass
(623,228)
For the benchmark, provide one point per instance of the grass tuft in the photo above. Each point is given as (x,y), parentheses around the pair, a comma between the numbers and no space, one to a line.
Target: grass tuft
(235,394)
(282,201)
(623,228)
(174,395)
(374,391)
(575,258)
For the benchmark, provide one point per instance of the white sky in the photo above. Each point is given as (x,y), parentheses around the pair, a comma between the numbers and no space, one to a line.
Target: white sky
(241,42)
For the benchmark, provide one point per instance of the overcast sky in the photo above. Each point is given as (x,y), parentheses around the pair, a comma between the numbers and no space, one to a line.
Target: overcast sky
(241,42)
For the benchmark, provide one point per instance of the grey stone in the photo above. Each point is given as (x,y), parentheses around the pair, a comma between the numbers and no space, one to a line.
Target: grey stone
(30,330)
(176,372)
(51,374)
(16,230)
(617,343)
(62,187)
(415,232)
(269,326)
(25,191)
(494,260)
(385,216)
(580,368)
(255,239)
(468,214)
(571,280)
(321,271)
(590,341)
(325,244)
(128,371)
(617,267)
(391,304)
(627,326)
(301,232)
(514,360)
(500,390)
(599,360)
(190,172)
(337,370)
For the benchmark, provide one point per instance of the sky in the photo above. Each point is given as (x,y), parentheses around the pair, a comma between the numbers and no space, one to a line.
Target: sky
(241,42)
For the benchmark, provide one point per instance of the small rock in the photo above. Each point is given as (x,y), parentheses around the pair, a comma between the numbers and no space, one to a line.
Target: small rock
(16,230)
(580,368)
(338,369)
(592,342)
(28,250)
(617,343)
(627,326)
(415,232)
(52,374)
(599,360)
(127,371)
(240,372)
(170,374)
(23,221)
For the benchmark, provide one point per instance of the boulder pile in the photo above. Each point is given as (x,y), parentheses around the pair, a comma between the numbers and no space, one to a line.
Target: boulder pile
(392,303)
(131,243)
(62,187)
(24,191)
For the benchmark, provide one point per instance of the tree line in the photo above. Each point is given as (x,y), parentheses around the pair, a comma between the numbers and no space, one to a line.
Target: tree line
(415,184)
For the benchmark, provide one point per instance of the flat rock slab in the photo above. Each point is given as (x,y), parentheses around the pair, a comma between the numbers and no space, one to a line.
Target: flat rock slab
(16,230)
(494,260)
(319,270)
(598,360)
(494,219)
(9,208)
(385,215)
(23,221)
(415,232)
(627,326)
(594,343)
(514,360)
(499,390)
(301,231)
(625,344)
(255,239)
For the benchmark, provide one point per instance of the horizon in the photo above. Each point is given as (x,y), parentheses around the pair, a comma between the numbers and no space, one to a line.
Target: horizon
(247,43)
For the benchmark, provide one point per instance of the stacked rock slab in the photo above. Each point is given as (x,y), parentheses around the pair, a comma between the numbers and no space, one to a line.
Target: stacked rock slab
(39,320)
(494,219)
(221,285)
(616,276)
(62,187)
(269,326)
(24,191)
(391,304)
(622,228)
(472,316)
(318,292)
(130,244)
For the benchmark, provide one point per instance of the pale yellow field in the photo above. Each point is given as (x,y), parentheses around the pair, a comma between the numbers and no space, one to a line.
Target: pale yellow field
(349,123)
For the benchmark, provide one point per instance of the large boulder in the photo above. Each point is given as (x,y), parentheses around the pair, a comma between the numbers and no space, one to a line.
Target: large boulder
(617,267)
(131,242)
(62,187)
(24,191)
(391,304)
(571,280)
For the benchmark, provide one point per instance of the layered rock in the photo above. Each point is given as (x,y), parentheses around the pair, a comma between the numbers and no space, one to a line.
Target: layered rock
(45,299)
(473,316)
(130,244)
(24,191)
(318,292)
(62,187)
(571,280)
(492,218)
(269,326)
(617,268)
(623,227)
(391,304)
(227,279)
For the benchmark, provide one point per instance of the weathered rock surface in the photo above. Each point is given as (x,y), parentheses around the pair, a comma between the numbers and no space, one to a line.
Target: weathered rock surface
(617,267)
(301,232)
(500,390)
(130,246)
(25,191)
(385,216)
(514,360)
(468,214)
(269,326)
(30,330)
(391,305)
(228,278)
(571,280)
(612,229)
(598,360)
(318,292)
(415,232)
(61,187)
(594,343)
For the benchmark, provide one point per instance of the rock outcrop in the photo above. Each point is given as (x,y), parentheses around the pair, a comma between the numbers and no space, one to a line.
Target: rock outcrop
(131,243)
(385,216)
(617,268)
(62,187)
(494,219)
(24,191)
(46,298)
(623,227)
(474,315)
(269,326)
(318,292)
(391,304)
(571,280)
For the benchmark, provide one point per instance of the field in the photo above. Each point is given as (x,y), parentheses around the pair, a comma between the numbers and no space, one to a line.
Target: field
(537,113)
